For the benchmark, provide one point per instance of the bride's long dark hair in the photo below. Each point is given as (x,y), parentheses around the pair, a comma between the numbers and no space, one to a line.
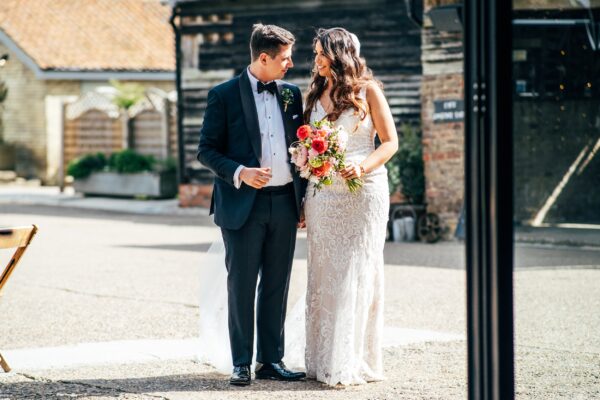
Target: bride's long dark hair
(349,74)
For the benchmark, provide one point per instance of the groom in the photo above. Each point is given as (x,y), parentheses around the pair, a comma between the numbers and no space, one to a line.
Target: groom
(249,123)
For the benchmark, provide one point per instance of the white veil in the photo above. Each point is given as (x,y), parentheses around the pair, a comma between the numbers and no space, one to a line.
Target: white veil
(214,332)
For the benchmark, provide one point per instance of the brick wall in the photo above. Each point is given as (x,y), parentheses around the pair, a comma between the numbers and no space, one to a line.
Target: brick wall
(443,143)
(23,116)
(443,150)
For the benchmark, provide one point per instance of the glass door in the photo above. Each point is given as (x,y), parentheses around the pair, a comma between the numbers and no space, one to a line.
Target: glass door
(556,139)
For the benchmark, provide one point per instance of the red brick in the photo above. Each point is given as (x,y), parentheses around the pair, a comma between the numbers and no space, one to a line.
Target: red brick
(192,195)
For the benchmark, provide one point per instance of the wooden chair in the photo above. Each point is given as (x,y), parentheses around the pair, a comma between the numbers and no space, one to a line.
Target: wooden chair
(19,238)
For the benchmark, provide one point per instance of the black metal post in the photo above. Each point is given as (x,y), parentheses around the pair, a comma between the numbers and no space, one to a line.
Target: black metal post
(181,168)
(489,198)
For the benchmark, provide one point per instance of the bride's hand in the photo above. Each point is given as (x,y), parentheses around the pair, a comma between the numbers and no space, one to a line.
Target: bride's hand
(352,171)
(302,223)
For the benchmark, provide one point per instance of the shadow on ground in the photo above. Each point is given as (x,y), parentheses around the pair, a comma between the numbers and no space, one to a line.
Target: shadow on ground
(207,382)
(64,212)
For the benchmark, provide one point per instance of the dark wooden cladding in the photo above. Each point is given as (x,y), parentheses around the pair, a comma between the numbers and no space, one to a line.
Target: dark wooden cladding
(390,43)
(441,47)
(192,8)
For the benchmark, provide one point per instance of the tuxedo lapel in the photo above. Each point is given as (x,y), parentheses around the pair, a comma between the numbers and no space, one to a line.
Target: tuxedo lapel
(284,116)
(250,113)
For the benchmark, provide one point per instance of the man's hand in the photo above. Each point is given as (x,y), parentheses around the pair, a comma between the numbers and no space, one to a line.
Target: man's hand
(256,177)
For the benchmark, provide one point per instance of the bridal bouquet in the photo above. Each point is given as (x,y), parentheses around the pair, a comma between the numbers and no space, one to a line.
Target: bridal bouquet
(320,152)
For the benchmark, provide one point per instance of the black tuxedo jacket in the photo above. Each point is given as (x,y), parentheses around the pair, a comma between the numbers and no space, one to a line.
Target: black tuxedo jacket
(230,137)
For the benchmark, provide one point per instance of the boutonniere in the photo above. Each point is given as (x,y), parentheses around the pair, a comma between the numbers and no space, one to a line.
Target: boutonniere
(287,97)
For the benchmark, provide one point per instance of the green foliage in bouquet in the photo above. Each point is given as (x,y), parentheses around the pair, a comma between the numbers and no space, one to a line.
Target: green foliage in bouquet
(83,167)
(129,162)
(405,169)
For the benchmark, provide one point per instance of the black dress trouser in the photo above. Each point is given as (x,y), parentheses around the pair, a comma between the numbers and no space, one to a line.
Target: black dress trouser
(263,246)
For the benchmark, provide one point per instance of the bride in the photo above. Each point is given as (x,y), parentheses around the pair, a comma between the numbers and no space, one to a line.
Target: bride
(346,232)
(337,333)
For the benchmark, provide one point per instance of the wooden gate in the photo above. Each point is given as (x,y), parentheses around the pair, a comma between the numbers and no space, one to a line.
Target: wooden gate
(149,125)
(92,124)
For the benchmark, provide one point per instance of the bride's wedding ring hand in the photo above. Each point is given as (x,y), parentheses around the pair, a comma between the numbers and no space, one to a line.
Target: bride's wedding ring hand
(256,177)
(350,172)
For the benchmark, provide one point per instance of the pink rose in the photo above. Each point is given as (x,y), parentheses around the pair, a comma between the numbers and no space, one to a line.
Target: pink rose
(301,157)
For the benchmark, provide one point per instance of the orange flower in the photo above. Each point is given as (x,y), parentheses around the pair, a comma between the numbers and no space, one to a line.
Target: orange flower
(303,132)
(322,170)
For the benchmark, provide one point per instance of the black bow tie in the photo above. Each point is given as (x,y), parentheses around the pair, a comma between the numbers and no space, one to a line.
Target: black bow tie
(271,87)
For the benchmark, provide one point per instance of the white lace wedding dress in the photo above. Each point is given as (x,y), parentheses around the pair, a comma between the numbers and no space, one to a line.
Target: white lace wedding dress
(346,235)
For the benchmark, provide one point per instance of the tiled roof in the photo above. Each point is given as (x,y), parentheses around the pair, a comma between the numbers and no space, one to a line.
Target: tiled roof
(80,35)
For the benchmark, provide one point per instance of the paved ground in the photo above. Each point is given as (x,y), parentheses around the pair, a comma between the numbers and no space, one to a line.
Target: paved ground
(101,277)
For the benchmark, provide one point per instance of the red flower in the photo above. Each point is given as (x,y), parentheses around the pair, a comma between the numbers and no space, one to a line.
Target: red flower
(303,132)
(322,170)
(319,145)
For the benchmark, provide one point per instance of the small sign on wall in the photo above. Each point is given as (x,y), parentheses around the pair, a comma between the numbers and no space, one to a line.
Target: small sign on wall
(448,110)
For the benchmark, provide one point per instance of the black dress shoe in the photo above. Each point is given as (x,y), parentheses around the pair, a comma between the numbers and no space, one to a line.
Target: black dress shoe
(240,376)
(277,371)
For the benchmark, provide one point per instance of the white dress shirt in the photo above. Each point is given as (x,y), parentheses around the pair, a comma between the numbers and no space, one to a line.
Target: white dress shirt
(272,138)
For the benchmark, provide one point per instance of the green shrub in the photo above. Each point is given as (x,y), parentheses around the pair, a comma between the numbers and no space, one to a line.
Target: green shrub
(129,162)
(82,167)
(125,162)
(3,96)
(405,169)
(3,92)
(167,165)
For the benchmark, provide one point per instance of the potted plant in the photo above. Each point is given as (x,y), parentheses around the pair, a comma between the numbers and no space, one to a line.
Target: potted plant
(405,169)
(123,174)
(407,185)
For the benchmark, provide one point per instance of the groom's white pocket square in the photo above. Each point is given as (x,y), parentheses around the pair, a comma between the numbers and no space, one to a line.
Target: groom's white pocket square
(295,116)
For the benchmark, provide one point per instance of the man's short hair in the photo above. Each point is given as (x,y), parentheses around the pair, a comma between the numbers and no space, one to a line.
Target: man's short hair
(267,39)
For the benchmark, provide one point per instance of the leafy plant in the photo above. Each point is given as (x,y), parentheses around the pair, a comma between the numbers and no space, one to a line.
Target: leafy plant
(3,96)
(167,165)
(405,169)
(125,162)
(83,167)
(3,92)
(129,162)
(127,94)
